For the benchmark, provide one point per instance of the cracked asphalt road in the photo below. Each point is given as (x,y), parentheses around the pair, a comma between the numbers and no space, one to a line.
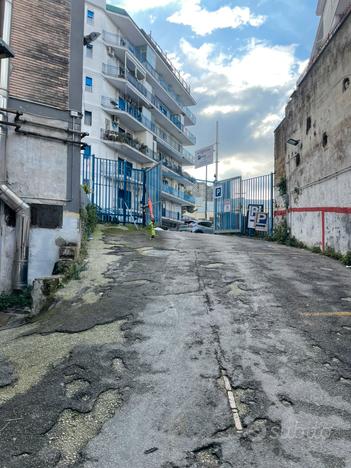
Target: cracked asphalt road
(126,369)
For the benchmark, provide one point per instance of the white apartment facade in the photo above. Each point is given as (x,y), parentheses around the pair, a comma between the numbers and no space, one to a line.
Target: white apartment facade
(331,12)
(135,104)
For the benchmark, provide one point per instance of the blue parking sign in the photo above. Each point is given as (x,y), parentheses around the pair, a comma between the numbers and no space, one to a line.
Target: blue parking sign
(218,192)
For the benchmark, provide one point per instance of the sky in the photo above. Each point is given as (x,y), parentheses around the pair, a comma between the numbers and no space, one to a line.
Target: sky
(242,59)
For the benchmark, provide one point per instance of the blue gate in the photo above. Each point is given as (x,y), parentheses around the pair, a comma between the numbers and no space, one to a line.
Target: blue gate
(232,198)
(115,188)
(227,205)
(153,191)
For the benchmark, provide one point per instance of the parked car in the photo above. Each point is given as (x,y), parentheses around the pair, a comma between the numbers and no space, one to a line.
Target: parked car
(202,227)
(186,227)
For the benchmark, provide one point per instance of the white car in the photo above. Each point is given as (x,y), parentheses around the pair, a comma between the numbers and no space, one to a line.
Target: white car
(202,227)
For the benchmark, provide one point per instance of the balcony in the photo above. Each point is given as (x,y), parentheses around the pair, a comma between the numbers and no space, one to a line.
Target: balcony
(120,41)
(119,72)
(139,122)
(177,170)
(180,194)
(130,146)
(173,215)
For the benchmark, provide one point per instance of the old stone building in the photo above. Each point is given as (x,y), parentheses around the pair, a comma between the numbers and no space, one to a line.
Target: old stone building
(40,140)
(313,142)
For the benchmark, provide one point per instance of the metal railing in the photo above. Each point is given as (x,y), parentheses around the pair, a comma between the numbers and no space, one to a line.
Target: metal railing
(117,71)
(134,111)
(175,215)
(119,137)
(178,193)
(120,41)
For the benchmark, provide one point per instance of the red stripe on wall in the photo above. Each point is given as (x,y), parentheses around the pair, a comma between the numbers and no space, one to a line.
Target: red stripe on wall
(322,209)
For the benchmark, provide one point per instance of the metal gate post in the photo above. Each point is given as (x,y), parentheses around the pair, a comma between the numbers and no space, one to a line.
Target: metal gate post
(143,201)
(93,179)
(125,192)
(272,202)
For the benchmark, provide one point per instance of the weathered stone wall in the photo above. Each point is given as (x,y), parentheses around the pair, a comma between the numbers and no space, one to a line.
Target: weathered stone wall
(318,169)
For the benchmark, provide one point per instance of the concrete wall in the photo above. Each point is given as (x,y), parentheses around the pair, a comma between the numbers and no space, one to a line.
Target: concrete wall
(43,156)
(318,169)
(44,245)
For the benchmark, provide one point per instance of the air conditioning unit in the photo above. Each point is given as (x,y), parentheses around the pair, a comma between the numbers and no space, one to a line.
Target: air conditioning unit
(110,51)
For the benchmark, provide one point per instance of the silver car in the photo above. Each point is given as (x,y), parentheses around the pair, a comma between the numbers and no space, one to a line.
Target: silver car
(202,227)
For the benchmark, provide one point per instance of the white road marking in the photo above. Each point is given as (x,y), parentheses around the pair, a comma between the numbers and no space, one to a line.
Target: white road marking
(232,403)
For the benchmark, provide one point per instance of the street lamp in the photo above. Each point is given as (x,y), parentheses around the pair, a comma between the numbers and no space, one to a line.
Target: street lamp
(5,51)
(293,142)
(88,39)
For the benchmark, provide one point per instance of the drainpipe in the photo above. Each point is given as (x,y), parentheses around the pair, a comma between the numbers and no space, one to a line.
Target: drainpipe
(20,267)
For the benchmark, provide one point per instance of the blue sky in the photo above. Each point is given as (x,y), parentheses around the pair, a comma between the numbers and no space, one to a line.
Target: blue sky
(242,59)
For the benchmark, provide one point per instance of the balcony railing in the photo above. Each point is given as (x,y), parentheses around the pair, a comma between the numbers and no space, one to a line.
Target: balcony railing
(178,193)
(117,71)
(119,137)
(134,111)
(175,215)
(120,41)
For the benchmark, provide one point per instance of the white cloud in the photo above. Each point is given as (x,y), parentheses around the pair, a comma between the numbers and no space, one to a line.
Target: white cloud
(246,165)
(218,109)
(203,21)
(266,126)
(134,6)
(262,65)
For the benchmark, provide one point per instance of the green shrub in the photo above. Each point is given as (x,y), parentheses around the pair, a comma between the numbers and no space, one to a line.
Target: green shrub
(346,260)
(281,232)
(18,299)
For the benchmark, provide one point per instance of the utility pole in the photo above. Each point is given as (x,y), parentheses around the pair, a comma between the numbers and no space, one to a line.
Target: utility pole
(206,195)
(217,145)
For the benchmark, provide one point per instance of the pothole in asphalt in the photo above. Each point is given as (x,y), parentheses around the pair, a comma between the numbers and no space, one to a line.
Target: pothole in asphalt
(136,282)
(285,400)
(75,387)
(151,252)
(209,456)
(236,289)
(118,365)
(212,266)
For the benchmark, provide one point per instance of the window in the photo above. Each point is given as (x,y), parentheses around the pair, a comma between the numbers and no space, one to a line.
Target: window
(308,124)
(90,16)
(87,151)
(10,216)
(89,51)
(88,118)
(345,84)
(88,84)
(298,159)
(47,216)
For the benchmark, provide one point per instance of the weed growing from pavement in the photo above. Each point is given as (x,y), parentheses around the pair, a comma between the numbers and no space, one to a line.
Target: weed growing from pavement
(282,235)
(17,299)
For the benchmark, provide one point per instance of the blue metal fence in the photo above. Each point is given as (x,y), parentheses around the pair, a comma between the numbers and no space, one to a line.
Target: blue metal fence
(115,188)
(153,191)
(232,198)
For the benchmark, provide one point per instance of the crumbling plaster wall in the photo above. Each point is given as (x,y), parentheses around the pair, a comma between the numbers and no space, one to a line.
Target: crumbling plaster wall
(318,169)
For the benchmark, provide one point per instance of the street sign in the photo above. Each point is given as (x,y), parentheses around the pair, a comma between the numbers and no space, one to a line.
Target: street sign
(227,206)
(204,157)
(218,191)
(252,210)
(261,222)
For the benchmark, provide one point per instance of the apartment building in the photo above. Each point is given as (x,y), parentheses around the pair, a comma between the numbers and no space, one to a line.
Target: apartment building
(40,136)
(136,111)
